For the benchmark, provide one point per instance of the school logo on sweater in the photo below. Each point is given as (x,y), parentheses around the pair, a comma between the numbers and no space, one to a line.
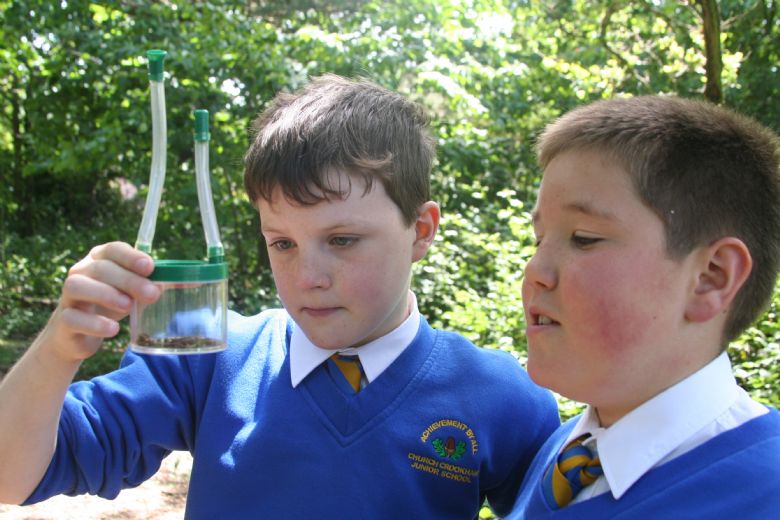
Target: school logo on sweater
(449,447)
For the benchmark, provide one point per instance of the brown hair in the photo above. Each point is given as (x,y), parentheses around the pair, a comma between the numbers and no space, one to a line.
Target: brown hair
(335,123)
(707,172)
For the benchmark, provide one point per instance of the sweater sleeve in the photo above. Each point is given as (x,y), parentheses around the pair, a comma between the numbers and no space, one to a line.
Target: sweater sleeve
(531,416)
(115,429)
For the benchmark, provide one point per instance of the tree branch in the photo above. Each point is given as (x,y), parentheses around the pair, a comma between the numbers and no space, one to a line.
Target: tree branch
(713,66)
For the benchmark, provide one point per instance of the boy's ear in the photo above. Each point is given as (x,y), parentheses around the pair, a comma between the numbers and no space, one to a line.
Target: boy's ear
(426,226)
(725,265)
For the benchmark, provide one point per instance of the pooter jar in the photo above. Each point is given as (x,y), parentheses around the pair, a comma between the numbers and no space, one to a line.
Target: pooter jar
(191,315)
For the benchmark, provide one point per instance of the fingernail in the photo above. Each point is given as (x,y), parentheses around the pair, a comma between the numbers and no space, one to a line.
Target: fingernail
(144,265)
(150,291)
(123,301)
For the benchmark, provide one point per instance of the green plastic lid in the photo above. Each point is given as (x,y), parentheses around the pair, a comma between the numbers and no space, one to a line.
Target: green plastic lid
(156,58)
(201,125)
(188,271)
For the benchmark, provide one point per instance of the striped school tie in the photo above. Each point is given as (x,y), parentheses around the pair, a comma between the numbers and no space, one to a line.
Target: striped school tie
(351,368)
(575,469)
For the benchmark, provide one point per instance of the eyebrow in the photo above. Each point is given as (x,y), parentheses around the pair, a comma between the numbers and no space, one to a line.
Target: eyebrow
(338,226)
(579,207)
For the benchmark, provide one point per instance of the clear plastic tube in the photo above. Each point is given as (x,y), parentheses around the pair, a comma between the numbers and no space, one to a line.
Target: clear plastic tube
(207,213)
(157,174)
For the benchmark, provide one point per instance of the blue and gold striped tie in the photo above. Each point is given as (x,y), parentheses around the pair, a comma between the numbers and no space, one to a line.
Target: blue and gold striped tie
(575,468)
(351,368)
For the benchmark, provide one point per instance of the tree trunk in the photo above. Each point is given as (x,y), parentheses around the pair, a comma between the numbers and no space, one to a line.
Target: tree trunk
(713,90)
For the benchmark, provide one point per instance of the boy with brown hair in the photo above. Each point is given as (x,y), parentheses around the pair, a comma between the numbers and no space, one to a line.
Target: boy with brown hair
(658,231)
(339,172)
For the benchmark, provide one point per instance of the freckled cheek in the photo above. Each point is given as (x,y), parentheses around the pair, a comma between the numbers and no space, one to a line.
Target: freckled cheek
(365,290)
(363,286)
(609,310)
(280,277)
(616,330)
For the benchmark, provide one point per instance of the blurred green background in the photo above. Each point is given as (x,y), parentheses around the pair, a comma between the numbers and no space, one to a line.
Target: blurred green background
(75,129)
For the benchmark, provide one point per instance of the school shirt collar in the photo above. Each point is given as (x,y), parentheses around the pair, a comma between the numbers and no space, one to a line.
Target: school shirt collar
(648,434)
(375,356)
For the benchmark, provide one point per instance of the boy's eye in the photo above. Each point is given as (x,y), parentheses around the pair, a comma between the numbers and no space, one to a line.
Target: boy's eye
(343,241)
(583,240)
(281,245)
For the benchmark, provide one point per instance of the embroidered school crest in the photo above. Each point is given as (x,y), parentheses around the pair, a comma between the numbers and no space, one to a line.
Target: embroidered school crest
(449,449)
(448,444)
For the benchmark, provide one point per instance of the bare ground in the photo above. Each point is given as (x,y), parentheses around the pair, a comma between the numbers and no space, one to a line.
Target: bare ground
(160,498)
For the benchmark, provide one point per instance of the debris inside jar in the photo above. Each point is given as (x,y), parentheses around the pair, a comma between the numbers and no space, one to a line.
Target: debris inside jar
(177,342)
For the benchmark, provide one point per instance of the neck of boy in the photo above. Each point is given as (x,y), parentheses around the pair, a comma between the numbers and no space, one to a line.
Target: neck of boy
(686,367)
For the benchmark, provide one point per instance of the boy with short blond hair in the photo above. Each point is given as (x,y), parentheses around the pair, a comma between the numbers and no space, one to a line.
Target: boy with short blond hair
(658,229)
(339,172)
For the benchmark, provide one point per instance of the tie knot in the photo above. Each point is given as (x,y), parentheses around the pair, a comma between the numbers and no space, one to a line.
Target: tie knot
(575,468)
(351,368)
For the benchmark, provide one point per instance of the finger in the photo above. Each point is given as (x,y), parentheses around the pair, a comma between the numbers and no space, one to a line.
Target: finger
(123,255)
(89,324)
(101,310)
(80,291)
(117,280)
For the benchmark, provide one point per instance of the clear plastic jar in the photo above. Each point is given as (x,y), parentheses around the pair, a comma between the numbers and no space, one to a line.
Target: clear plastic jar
(191,315)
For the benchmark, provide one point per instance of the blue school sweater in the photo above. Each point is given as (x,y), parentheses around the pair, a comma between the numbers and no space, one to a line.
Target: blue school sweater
(446,425)
(734,475)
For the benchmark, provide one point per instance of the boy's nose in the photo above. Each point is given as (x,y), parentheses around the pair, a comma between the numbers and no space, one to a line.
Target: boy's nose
(312,273)
(539,271)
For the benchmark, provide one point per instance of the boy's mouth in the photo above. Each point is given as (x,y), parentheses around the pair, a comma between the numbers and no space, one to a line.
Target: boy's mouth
(319,312)
(541,319)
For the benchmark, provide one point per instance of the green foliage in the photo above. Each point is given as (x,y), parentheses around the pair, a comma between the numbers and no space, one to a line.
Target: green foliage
(10,351)
(756,356)
(75,128)
(753,42)
(470,281)
(26,287)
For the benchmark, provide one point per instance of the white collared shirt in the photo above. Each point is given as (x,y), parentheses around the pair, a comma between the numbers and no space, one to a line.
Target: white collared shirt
(686,415)
(375,356)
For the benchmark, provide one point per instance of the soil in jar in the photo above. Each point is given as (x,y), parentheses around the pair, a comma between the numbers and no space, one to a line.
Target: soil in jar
(177,342)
